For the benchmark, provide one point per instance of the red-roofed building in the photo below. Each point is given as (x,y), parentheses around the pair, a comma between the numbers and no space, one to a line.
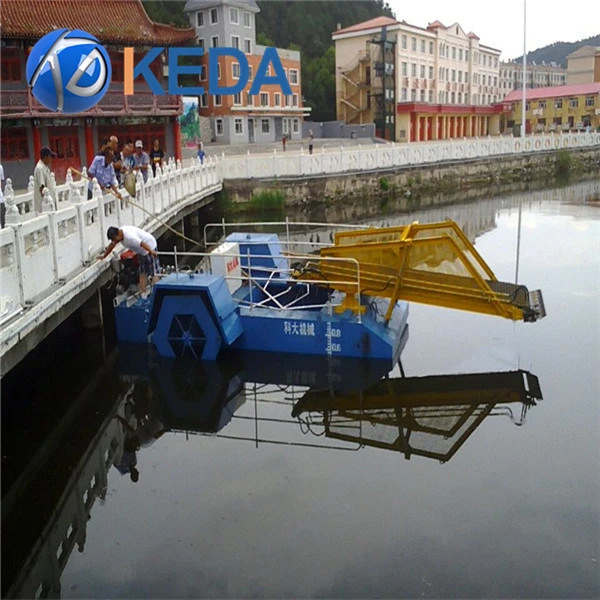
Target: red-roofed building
(27,126)
(416,83)
(561,108)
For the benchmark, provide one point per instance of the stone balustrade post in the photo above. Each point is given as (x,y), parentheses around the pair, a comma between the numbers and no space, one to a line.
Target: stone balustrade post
(12,216)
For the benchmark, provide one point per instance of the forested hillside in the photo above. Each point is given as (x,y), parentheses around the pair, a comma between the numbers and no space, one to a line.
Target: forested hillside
(559,51)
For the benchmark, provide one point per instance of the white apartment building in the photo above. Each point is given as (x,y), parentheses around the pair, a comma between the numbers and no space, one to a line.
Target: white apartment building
(436,66)
(537,75)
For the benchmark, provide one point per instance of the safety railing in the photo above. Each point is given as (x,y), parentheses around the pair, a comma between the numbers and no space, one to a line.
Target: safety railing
(259,277)
(372,157)
(41,253)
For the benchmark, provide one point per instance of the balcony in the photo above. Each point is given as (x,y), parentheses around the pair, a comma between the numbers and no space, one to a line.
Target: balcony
(21,103)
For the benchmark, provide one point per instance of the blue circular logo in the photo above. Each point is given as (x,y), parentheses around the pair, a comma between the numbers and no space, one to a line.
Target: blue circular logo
(68,71)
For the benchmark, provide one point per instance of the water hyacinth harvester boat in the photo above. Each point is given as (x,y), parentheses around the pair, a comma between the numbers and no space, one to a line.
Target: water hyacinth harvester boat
(262,291)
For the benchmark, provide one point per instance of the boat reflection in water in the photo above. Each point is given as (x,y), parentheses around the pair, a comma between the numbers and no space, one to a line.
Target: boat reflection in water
(426,416)
(354,403)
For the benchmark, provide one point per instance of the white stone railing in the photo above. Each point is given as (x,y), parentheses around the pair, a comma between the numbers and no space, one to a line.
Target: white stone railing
(41,254)
(371,157)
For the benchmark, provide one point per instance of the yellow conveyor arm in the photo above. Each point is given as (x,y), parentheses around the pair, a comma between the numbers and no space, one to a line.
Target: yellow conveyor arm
(432,263)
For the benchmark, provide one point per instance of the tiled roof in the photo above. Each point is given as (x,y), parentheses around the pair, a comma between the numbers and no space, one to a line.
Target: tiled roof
(436,24)
(111,21)
(370,24)
(559,91)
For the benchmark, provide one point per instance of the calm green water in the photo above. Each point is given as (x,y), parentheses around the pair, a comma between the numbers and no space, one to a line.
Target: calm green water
(272,506)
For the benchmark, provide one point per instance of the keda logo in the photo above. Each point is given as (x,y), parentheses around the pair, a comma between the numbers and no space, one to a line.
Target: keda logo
(269,59)
(68,71)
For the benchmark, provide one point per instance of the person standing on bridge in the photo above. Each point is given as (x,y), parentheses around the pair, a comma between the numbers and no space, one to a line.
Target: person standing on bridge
(142,243)
(102,168)
(42,177)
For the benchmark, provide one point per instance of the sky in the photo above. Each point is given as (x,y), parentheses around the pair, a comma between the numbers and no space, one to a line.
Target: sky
(500,24)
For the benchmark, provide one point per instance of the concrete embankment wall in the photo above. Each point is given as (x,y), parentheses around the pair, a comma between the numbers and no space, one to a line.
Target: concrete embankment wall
(406,188)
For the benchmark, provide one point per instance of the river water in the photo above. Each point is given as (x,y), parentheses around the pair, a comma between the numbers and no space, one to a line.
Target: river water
(459,491)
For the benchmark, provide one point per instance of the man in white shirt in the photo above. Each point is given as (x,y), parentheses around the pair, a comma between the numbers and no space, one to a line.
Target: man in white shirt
(2,205)
(142,243)
(42,177)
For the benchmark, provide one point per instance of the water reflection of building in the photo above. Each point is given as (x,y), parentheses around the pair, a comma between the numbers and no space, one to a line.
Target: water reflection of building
(354,403)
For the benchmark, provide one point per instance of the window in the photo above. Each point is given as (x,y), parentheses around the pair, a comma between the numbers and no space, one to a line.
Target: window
(404,69)
(14,143)
(295,126)
(247,46)
(249,72)
(430,72)
(294,76)
(249,99)
(214,41)
(527,105)
(413,70)
(453,75)
(288,100)
(200,19)
(460,54)
(558,104)
(201,43)
(235,42)
(11,64)
(265,125)
(403,94)
(542,104)
(413,95)
(573,102)
(422,71)
(247,20)
(214,16)
(219,71)
(423,46)
(217,100)
(430,95)
(237,99)
(233,15)
(202,72)
(286,125)
(459,97)
(235,70)
(264,99)
(204,100)
(277,99)
(413,44)
(404,42)
(453,53)
(422,95)
(238,125)
(589,101)
(219,126)
(460,77)
(294,99)
(430,47)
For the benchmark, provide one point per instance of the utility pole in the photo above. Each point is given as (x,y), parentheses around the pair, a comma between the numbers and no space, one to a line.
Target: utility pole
(523,98)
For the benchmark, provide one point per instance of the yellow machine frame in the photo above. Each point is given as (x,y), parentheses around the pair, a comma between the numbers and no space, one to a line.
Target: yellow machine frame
(432,263)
